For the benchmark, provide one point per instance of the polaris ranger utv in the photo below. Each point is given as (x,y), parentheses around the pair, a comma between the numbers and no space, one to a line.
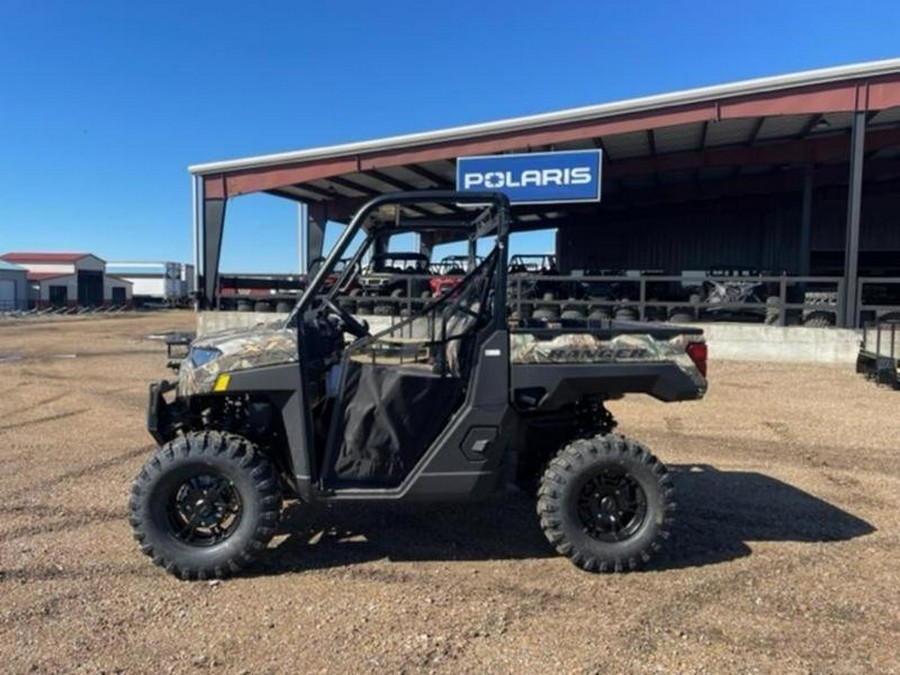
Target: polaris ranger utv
(452,403)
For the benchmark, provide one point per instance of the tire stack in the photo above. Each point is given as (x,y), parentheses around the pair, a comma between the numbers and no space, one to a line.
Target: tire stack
(572,312)
(598,312)
(626,313)
(547,310)
(819,318)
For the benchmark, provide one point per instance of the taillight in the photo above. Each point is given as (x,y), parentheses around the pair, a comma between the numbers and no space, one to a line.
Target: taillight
(698,353)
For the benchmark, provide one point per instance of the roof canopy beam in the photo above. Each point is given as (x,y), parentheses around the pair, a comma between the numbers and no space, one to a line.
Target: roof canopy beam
(811,124)
(818,150)
(437,181)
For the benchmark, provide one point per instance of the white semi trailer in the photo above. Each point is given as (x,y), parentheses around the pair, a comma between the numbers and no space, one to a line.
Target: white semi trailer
(168,283)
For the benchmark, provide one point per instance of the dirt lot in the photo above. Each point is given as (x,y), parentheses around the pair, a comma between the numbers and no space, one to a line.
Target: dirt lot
(784,557)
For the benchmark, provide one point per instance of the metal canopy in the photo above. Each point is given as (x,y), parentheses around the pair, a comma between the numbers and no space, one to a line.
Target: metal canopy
(748,137)
(815,105)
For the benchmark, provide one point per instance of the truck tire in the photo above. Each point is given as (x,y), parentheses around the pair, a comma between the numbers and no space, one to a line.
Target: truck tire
(545,313)
(598,312)
(205,505)
(572,312)
(606,503)
(681,315)
(819,319)
(626,314)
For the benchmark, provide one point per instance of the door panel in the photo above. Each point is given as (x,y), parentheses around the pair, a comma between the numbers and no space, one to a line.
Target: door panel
(391,415)
(400,388)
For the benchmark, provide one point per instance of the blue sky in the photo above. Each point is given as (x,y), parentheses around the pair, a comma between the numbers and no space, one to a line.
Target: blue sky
(103,104)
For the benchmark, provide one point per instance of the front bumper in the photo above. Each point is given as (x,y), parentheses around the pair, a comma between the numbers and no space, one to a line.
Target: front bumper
(161,420)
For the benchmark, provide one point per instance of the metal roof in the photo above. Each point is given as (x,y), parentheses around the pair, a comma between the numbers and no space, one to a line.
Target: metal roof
(119,279)
(573,115)
(46,276)
(40,258)
(710,142)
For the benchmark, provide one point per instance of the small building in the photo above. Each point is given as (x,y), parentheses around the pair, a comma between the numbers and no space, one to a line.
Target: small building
(69,279)
(53,289)
(116,290)
(13,287)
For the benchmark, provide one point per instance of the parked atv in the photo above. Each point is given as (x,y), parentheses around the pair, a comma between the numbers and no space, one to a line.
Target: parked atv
(450,404)
(447,273)
(390,277)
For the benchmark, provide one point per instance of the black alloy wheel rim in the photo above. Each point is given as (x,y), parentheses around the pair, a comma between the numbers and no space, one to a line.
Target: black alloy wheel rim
(204,510)
(611,506)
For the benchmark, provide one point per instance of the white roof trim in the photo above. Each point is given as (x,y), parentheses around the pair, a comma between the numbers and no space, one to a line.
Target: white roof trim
(689,96)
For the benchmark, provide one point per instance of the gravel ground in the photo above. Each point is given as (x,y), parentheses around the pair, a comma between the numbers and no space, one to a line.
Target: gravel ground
(782,560)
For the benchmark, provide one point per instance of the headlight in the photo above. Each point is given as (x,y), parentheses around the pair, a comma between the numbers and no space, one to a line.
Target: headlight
(200,356)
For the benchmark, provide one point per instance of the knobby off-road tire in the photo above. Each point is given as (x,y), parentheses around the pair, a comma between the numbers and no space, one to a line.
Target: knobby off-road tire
(606,503)
(819,319)
(205,505)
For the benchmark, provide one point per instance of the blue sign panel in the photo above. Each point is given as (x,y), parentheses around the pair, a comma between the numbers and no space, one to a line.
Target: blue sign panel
(534,178)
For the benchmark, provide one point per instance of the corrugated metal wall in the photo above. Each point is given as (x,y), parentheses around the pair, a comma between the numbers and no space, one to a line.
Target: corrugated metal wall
(758,232)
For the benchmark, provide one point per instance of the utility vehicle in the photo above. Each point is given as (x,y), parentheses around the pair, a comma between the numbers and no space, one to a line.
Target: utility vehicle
(452,403)
(389,277)
(449,272)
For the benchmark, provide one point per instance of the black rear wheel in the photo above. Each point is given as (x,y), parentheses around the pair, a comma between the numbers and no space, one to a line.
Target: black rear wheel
(205,505)
(606,503)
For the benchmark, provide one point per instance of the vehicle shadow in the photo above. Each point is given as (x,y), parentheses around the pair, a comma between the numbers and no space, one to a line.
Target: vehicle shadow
(324,536)
(718,513)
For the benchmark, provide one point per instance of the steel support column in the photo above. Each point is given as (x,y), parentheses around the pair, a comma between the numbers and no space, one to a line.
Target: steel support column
(854,207)
(302,229)
(426,244)
(213,221)
(312,234)
(806,223)
(196,199)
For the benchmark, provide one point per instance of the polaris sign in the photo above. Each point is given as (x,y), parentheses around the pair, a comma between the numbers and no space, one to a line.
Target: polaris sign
(534,178)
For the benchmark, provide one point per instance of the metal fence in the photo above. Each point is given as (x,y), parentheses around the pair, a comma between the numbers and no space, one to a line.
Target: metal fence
(777,300)
(780,300)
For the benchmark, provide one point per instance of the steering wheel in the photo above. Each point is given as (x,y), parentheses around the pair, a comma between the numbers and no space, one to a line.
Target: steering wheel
(351,325)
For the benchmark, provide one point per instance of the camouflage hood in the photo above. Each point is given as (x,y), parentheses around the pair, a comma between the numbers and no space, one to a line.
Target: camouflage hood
(232,350)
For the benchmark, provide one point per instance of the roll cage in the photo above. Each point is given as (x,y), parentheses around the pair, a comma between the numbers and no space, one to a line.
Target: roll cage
(490,216)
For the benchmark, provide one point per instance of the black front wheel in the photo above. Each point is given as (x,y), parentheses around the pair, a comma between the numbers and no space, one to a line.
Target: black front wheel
(205,505)
(606,503)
